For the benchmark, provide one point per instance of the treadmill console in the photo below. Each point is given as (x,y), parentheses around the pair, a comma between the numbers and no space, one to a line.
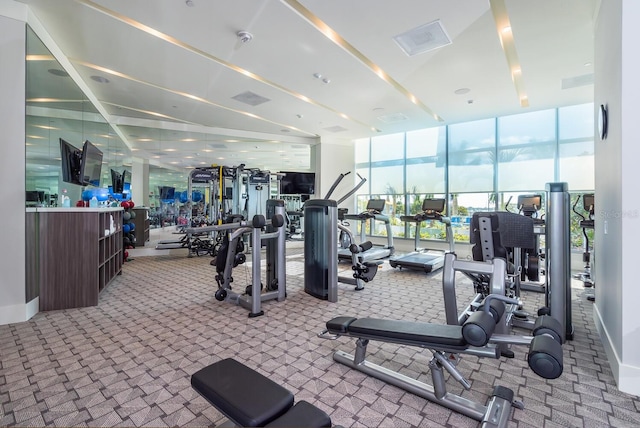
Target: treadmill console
(432,209)
(376,206)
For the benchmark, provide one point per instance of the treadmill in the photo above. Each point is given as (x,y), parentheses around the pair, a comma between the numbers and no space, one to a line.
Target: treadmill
(423,259)
(366,251)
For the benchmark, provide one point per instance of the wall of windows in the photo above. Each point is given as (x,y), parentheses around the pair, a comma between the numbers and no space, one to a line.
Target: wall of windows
(477,166)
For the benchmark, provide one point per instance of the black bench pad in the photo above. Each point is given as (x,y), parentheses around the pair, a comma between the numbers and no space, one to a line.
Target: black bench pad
(242,394)
(303,414)
(419,333)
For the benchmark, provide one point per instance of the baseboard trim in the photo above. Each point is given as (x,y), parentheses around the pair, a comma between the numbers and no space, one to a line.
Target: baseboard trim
(627,377)
(13,314)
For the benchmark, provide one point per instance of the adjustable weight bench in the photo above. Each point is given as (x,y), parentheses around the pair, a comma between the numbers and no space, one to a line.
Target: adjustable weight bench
(250,399)
(475,337)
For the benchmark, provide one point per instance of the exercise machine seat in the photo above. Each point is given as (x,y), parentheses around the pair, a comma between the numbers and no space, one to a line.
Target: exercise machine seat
(301,414)
(420,334)
(242,394)
(250,399)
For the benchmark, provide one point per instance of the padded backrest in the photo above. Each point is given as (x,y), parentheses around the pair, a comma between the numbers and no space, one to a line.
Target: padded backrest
(516,231)
(486,239)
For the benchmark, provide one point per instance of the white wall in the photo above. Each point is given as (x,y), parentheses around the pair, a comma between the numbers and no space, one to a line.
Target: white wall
(331,158)
(13,307)
(617,68)
(140,181)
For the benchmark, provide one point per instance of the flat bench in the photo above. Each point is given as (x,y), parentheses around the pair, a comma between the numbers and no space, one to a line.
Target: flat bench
(250,399)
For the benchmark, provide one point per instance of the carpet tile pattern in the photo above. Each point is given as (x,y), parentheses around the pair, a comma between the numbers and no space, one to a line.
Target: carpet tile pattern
(128,361)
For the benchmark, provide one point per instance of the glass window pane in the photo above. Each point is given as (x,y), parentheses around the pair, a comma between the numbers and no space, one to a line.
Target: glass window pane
(480,134)
(387,180)
(361,150)
(471,156)
(576,122)
(577,165)
(387,147)
(576,157)
(522,168)
(526,150)
(425,178)
(429,142)
(426,154)
(527,128)
(471,172)
(463,206)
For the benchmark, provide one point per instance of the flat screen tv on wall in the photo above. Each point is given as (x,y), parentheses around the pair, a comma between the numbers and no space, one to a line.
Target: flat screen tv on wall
(298,183)
(91,165)
(71,163)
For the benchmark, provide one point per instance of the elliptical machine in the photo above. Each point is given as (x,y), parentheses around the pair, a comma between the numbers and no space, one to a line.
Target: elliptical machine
(586,223)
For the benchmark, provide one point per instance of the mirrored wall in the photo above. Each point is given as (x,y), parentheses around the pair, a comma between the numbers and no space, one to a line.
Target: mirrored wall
(57,108)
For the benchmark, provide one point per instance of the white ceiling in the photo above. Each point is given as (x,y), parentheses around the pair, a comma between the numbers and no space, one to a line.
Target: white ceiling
(174,69)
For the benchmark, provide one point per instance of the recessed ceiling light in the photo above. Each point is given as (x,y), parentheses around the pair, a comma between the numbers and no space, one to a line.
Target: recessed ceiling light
(100,79)
(461,91)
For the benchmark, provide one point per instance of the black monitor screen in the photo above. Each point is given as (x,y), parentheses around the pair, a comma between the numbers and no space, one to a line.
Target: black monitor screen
(167,193)
(436,205)
(298,183)
(529,202)
(71,163)
(117,182)
(91,164)
(228,192)
(33,196)
(376,205)
(588,202)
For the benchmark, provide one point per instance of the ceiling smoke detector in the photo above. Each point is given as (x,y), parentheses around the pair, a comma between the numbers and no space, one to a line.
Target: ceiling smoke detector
(244,36)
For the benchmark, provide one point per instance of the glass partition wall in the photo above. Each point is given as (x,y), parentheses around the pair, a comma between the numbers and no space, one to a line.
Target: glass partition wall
(57,108)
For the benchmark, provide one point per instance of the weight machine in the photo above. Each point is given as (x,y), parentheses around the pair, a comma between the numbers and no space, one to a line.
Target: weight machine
(505,234)
(272,232)
(321,248)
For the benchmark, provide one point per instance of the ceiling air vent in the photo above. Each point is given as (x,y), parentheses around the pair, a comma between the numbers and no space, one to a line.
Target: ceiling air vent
(250,98)
(576,81)
(336,128)
(217,146)
(422,39)
(392,118)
